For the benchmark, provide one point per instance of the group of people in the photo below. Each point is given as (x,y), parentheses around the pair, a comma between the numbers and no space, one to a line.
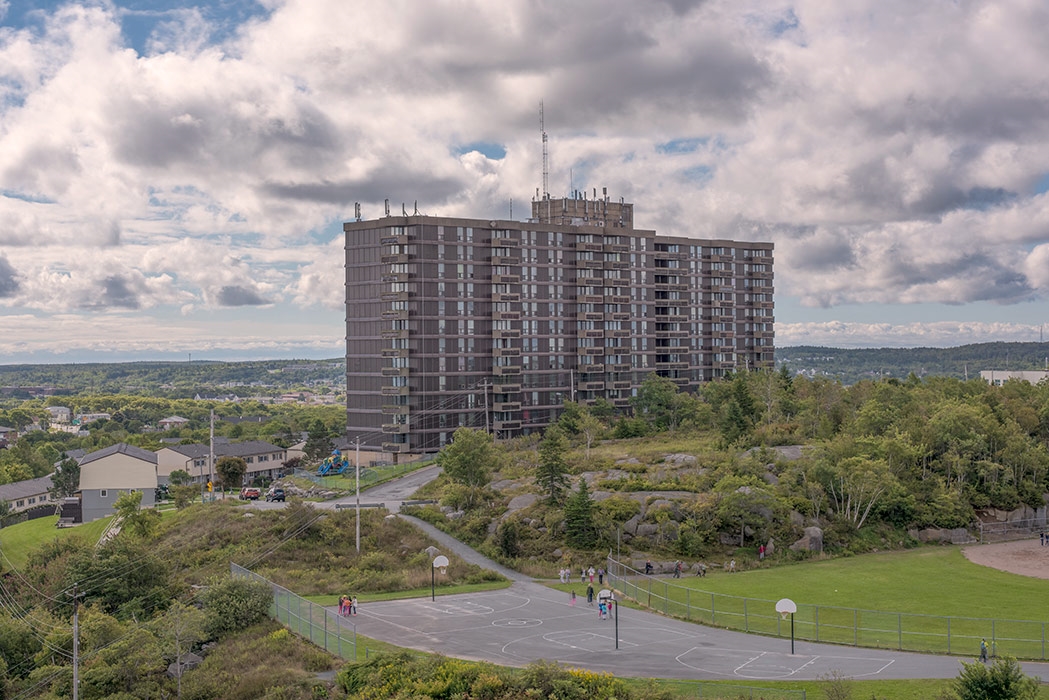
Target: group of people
(348,605)
(565,575)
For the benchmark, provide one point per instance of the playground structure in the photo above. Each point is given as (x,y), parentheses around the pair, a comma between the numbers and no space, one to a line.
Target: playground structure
(335,464)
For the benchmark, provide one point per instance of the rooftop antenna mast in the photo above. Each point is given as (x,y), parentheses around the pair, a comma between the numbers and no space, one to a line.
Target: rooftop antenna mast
(546,154)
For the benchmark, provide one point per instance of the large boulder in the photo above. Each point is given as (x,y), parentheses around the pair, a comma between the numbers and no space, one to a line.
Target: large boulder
(630,526)
(811,541)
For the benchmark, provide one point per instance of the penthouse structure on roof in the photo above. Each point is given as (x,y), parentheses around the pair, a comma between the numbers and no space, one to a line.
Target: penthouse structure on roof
(494,324)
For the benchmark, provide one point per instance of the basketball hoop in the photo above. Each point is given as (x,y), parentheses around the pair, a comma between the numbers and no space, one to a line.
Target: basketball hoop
(783,614)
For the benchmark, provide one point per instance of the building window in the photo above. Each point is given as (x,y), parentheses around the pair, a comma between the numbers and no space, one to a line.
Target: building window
(19,504)
(103,494)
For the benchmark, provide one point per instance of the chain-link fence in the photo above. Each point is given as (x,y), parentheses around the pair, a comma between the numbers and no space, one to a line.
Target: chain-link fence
(1024,639)
(323,627)
(1010,530)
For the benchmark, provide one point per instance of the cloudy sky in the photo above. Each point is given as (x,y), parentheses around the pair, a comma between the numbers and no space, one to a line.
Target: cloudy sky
(174,174)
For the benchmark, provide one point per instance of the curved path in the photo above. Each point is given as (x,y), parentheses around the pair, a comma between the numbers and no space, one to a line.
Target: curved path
(530,621)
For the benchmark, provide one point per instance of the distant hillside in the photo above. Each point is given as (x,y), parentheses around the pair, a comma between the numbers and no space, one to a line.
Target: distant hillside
(171,379)
(852,365)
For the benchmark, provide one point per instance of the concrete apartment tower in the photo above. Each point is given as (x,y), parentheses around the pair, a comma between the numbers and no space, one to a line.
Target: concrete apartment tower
(495,324)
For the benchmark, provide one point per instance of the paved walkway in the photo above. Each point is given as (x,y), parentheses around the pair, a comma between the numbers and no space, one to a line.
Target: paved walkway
(530,621)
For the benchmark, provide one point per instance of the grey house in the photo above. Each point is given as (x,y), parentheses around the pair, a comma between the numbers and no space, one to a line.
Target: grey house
(111,471)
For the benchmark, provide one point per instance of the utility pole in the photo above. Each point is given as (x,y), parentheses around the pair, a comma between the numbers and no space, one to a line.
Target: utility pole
(76,645)
(211,456)
(357,459)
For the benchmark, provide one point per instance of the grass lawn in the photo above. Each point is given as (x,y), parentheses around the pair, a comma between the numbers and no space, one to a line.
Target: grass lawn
(19,540)
(930,599)
(909,581)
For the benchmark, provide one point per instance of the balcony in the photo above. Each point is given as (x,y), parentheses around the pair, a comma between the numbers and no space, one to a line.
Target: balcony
(395,410)
(590,299)
(618,299)
(505,260)
(389,335)
(396,259)
(507,333)
(395,352)
(506,352)
(618,334)
(590,316)
(395,391)
(620,403)
(616,265)
(616,248)
(618,368)
(590,333)
(396,277)
(396,447)
(506,315)
(671,365)
(507,388)
(671,318)
(507,425)
(620,386)
(504,406)
(591,351)
(592,247)
(395,371)
(591,369)
(618,316)
(505,242)
(506,371)
(503,296)
(591,386)
(589,265)
(394,296)
(506,279)
(394,428)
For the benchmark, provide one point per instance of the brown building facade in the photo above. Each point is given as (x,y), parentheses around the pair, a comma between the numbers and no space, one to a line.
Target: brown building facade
(468,322)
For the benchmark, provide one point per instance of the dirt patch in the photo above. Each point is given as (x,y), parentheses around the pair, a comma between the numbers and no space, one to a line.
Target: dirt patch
(1024,557)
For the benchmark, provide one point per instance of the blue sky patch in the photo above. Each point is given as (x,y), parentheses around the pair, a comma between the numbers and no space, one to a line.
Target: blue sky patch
(492,151)
(31,198)
(680,146)
(698,174)
(1042,186)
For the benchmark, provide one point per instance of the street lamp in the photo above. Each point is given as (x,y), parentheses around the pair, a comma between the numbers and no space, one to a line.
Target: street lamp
(441,562)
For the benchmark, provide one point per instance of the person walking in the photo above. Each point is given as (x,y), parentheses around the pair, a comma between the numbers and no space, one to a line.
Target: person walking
(590,595)
(648,567)
(591,572)
(677,569)
(600,575)
(353,605)
(983,650)
(761,553)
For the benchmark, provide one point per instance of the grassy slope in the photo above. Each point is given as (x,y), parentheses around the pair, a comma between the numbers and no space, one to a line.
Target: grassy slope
(19,540)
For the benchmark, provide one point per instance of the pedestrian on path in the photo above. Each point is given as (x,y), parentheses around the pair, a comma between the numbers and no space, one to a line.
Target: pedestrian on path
(590,595)
(353,605)
(591,572)
(983,650)
(571,601)
(600,575)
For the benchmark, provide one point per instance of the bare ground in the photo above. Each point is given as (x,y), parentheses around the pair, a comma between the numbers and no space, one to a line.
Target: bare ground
(1024,557)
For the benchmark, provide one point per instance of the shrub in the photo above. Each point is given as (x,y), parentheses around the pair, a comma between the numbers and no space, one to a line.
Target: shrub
(235,604)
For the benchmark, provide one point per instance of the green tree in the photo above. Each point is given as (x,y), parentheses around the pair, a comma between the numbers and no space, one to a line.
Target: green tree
(551,470)
(318,441)
(1003,680)
(590,428)
(179,628)
(135,519)
(580,531)
(235,603)
(231,470)
(469,459)
(509,538)
(179,477)
(66,480)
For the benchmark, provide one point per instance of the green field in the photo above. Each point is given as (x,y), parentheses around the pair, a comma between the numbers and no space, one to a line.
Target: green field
(929,599)
(17,541)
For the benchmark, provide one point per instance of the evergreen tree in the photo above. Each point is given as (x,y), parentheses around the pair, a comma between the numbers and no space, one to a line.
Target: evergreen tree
(318,441)
(580,530)
(66,480)
(551,473)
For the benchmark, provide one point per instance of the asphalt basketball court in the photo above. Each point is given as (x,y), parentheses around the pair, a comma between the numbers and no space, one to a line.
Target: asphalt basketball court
(528,621)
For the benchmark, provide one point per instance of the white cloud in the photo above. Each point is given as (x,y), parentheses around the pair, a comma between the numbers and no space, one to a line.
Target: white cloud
(891,149)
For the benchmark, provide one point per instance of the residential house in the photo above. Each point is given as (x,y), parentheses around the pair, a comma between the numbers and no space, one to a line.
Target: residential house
(172,422)
(85,418)
(111,471)
(60,414)
(263,459)
(8,436)
(26,495)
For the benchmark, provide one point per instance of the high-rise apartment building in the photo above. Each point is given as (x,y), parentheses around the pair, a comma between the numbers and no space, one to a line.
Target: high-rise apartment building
(495,324)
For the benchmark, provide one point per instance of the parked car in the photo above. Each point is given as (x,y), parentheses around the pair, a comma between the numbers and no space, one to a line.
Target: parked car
(250,493)
(275,494)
